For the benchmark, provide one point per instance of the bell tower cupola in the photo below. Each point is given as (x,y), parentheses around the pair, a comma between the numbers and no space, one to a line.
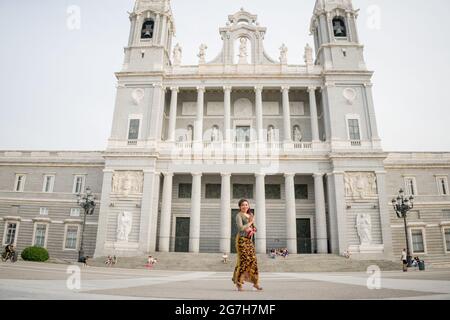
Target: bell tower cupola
(151,33)
(335,32)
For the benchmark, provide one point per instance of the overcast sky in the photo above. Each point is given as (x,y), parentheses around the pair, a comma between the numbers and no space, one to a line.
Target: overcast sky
(57,83)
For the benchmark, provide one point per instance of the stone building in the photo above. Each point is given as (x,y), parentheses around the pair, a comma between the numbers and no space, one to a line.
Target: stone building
(187,142)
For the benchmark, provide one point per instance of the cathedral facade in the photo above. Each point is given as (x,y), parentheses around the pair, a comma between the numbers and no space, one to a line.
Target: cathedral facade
(300,142)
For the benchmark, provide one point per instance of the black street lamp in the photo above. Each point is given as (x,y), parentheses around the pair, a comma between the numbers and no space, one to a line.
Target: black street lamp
(87,202)
(402,205)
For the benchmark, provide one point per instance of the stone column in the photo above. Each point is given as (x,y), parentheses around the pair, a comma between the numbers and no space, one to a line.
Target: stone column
(225,213)
(349,27)
(340,210)
(291,216)
(154,218)
(314,119)
(156,110)
(166,213)
(227,113)
(371,112)
(334,240)
(386,231)
(259,113)
(194,230)
(286,115)
(321,218)
(260,213)
(198,134)
(173,114)
(147,211)
(104,212)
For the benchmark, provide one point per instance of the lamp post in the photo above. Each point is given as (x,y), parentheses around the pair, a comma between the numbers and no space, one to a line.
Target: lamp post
(87,202)
(402,205)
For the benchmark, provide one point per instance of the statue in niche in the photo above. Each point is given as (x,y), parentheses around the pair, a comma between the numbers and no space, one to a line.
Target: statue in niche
(364,226)
(202,54)
(283,54)
(243,51)
(177,52)
(215,134)
(298,136)
(124,223)
(189,134)
(271,134)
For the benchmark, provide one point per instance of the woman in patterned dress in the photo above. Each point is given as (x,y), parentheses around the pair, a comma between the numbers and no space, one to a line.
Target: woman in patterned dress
(247,267)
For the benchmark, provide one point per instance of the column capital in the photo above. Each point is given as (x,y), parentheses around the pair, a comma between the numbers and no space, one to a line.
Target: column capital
(311,89)
(201,89)
(197,174)
(175,89)
(318,175)
(367,85)
(147,171)
(285,88)
(227,88)
(289,175)
(158,85)
(259,89)
(167,174)
(225,174)
(259,174)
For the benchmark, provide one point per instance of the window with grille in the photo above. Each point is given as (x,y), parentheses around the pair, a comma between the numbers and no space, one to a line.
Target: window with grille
(11,233)
(78,184)
(185,190)
(353,128)
(273,191)
(242,191)
(301,191)
(71,237)
(212,191)
(447,239)
(417,241)
(39,237)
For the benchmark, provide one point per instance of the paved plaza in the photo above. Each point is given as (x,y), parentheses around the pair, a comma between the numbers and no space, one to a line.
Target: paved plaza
(26,280)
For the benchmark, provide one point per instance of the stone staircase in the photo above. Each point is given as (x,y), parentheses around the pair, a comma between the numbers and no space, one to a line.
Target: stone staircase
(213,262)
(436,261)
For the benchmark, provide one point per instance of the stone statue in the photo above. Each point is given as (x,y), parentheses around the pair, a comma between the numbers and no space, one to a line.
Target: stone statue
(214,134)
(364,226)
(202,54)
(177,52)
(124,223)
(298,136)
(309,60)
(271,134)
(283,54)
(243,51)
(360,186)
(372,179)
(189,134)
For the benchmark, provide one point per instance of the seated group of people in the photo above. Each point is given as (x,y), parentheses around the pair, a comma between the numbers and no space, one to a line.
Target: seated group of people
(151,262)
(278,252)
(110,261)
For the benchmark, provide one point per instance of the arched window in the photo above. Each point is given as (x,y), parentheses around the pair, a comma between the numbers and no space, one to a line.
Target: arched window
(147,29)
(339,27)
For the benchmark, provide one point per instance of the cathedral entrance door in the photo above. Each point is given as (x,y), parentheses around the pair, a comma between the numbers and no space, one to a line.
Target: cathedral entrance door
(304,236)
(182,234)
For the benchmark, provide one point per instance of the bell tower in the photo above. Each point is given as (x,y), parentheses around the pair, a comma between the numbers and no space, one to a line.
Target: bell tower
(335,32)
(151,33)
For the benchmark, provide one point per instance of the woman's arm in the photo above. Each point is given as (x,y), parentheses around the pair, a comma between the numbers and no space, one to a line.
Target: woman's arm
(240,223)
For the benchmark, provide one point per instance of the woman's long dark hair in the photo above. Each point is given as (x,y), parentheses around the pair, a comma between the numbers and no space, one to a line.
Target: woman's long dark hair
(250,211)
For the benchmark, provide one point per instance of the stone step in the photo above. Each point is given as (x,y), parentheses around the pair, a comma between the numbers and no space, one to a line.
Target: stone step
(213,262)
